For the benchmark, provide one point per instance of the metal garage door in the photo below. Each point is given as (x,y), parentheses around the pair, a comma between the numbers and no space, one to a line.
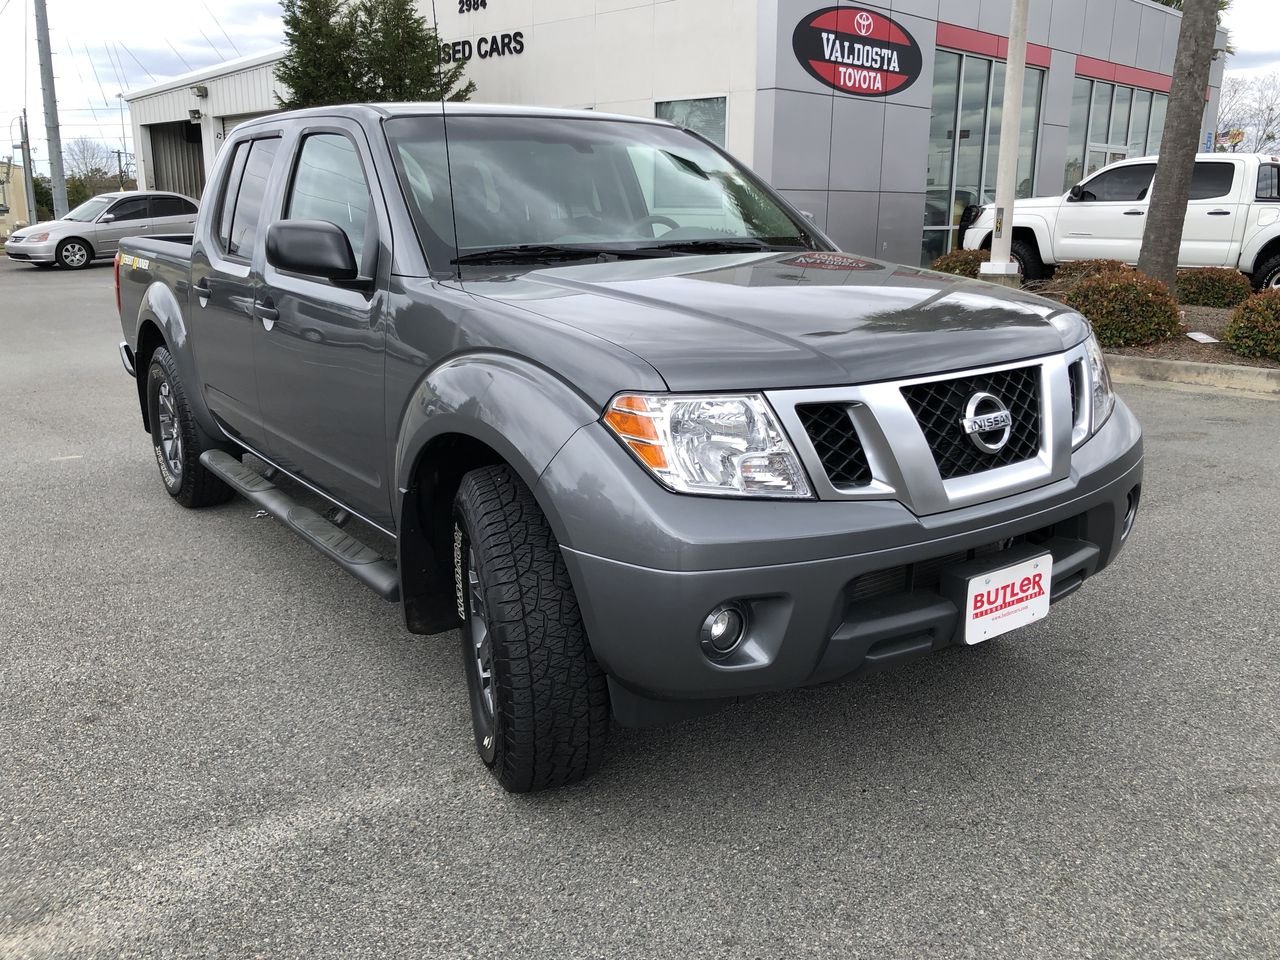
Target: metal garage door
(177,158)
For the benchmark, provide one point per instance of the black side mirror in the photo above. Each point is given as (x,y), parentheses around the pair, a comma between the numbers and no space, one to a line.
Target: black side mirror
(315,248)
(1077,192)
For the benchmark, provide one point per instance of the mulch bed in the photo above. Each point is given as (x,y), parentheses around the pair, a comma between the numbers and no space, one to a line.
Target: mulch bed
(1208,320)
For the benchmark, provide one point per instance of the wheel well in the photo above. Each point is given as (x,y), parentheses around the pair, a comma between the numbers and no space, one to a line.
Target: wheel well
(426,529)
(87,245)
(1272,249)
(1025,234)
(149,338)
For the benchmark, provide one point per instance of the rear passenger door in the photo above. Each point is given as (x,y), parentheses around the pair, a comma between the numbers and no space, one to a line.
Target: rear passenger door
(174,216)
(223,285)
(320,345)
(130,217)
(1215,218)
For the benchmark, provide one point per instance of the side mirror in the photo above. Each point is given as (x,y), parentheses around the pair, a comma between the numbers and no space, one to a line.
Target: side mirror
(1077,192)
(315,248)
(107,218)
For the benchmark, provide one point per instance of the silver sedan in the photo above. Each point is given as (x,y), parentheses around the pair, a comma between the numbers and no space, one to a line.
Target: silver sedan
(93,230)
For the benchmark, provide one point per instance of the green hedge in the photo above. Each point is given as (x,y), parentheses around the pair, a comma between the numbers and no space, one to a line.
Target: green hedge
(963,263)
(1254,330)
(1213,287)
(1126,308)
(1084,269)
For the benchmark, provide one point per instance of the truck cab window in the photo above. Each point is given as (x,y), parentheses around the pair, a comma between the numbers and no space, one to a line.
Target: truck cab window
(1212,180)
(329,184)
(1121,185)
(1269,182)
(248,204)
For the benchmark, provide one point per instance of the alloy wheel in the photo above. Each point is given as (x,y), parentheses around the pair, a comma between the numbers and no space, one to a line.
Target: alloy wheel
(170,429)
(480,637)
(74,255)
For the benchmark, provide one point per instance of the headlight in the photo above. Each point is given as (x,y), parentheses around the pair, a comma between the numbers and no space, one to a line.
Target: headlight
(1102,396)
(35,238)
(723,445)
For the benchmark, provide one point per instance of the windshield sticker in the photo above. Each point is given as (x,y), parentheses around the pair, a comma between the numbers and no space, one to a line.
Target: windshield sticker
(857,51)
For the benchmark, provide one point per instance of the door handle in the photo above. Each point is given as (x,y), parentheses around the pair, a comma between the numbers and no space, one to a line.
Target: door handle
(202,290)
(1134,213)
(1219,213)
(267,313)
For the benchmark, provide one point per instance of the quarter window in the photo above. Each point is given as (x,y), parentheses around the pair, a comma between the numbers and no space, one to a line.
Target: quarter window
(1123,185)
(235,173)
(1269,182)
(329,184)
(171,207)
(1212,180)
(135,208)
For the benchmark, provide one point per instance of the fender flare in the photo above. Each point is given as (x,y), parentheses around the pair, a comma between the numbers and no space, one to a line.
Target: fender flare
(1037,225)
(1251,255)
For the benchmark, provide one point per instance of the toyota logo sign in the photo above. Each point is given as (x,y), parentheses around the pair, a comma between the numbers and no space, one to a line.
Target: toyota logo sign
(864,23)
(857,52)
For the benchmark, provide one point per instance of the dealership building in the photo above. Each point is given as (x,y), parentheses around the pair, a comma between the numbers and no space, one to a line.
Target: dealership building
(881,120)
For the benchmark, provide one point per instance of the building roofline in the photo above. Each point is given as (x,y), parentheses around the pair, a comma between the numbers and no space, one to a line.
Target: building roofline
(207,73)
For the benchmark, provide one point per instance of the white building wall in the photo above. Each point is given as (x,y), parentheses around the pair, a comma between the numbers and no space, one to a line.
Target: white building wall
(620,56)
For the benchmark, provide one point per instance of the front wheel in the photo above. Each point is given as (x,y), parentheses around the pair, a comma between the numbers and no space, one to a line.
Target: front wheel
(1267,276)
(539,700)
(74,254)
(175,438)
(1027,256)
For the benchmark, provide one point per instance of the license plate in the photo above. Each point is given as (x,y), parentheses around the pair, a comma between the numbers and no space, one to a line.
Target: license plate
(1008,598)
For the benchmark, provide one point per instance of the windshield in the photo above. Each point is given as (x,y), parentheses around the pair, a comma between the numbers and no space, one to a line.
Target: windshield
(89,210)
(601,184)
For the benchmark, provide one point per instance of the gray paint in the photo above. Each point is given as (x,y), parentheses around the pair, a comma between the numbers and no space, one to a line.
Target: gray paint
(994,17)
(900,220)
(855,123)
(852,220)
(1125,29)
(1150,39)
(904,172)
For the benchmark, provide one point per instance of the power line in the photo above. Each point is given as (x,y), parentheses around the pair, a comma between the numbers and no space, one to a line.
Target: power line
(220,27)
(138,62)
(94,67)
(177,54)
(210,43)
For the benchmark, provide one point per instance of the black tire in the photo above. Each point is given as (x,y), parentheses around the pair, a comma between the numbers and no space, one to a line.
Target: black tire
(74,253)
(1267,276)
(545,722)
(171,420)
(1028,257)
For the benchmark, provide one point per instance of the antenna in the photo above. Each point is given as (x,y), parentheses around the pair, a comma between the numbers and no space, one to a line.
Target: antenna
(444,125)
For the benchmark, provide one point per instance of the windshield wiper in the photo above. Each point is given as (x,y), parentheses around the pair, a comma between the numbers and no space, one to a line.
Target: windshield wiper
(727,245)
(548,253)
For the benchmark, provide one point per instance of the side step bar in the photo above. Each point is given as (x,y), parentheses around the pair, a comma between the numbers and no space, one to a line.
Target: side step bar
(361,561)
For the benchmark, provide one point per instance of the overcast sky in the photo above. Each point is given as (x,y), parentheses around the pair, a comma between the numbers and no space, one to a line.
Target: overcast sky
(101,47)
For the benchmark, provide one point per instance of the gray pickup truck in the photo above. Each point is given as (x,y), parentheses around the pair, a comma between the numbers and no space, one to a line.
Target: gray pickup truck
(633,424)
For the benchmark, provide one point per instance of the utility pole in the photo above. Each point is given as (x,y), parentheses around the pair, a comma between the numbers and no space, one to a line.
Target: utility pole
(28,172)
(1002,269)
(52,131)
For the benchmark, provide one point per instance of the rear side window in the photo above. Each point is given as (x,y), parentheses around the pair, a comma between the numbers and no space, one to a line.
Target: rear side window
(171,207)
(135,208)
(1269,182)
(1212,180)
(243,195)
(1122,185)
(329,184)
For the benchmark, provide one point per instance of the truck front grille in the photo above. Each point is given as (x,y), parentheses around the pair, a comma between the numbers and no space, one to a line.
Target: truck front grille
(939,407)
(832,433)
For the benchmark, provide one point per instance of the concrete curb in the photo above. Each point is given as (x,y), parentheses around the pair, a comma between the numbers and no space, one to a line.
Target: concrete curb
(1224,376)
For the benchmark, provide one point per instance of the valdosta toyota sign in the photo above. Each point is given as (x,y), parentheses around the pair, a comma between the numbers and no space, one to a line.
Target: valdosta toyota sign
(857,51)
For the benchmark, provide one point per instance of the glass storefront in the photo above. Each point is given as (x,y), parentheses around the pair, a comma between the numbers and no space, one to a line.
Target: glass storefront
(964,142)
(1109,123)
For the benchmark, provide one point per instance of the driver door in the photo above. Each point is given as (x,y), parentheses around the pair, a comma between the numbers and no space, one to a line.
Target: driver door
(1109,218)
(130,217)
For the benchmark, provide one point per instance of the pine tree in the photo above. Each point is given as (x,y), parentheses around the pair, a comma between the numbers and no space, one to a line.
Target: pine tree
(362,51)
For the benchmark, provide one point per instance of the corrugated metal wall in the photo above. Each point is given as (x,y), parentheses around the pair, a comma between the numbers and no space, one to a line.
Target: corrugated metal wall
(177,163)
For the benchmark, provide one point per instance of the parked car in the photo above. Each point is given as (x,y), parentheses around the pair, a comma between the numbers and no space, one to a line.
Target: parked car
(93,230)
(1233,218)
(648,459)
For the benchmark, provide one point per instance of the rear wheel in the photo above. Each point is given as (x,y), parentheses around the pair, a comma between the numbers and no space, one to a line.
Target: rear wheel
(539,701)
(1267,276)
(176,439)
(74,254)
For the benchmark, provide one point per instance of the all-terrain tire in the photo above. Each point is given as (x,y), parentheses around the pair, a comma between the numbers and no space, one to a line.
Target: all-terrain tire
(170,416)
(1028,257)
(549,718)
(1267,276)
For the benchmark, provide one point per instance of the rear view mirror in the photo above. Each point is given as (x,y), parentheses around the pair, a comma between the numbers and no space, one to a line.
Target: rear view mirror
(315,248)
(1076,192)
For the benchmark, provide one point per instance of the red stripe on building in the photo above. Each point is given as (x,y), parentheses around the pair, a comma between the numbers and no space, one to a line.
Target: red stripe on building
(988,44)
(1116,73)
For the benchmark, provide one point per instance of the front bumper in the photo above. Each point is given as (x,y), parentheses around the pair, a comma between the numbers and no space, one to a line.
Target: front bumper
(831,588)
(43,252)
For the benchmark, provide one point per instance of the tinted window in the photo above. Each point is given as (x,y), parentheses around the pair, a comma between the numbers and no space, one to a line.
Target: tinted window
(1212,180)
(1122,185)
(135,208)
(1269,182)
(329,184)
(171,207)
(253,187)
(235,172)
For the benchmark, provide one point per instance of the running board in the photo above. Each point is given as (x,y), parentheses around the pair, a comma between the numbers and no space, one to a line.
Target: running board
(361,561)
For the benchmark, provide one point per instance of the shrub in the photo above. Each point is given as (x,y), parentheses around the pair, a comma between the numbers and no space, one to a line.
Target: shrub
(1254,330)
(963,263)
(1084,269)
(1213,287)
(1126,308)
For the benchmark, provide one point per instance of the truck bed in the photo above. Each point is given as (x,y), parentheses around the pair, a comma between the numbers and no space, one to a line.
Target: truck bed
(145,263)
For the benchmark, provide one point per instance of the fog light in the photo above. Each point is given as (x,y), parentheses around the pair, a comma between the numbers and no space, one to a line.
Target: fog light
(723,630)
(1130,513)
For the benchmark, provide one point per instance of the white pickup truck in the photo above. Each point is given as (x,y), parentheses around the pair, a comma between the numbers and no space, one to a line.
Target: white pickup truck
(1233,218)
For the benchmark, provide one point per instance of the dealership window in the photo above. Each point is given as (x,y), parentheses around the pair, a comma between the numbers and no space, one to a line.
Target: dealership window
(1110,122)
(707,116)
(964,142)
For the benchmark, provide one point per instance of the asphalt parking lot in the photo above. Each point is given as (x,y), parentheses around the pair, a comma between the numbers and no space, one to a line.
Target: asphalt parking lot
(214,743)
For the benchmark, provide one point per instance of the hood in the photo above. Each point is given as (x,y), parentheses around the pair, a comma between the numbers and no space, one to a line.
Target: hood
(1030,204)
(771,321)
(46,226)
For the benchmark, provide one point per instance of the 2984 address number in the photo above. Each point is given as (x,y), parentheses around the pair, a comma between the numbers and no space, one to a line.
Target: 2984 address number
(470,6)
